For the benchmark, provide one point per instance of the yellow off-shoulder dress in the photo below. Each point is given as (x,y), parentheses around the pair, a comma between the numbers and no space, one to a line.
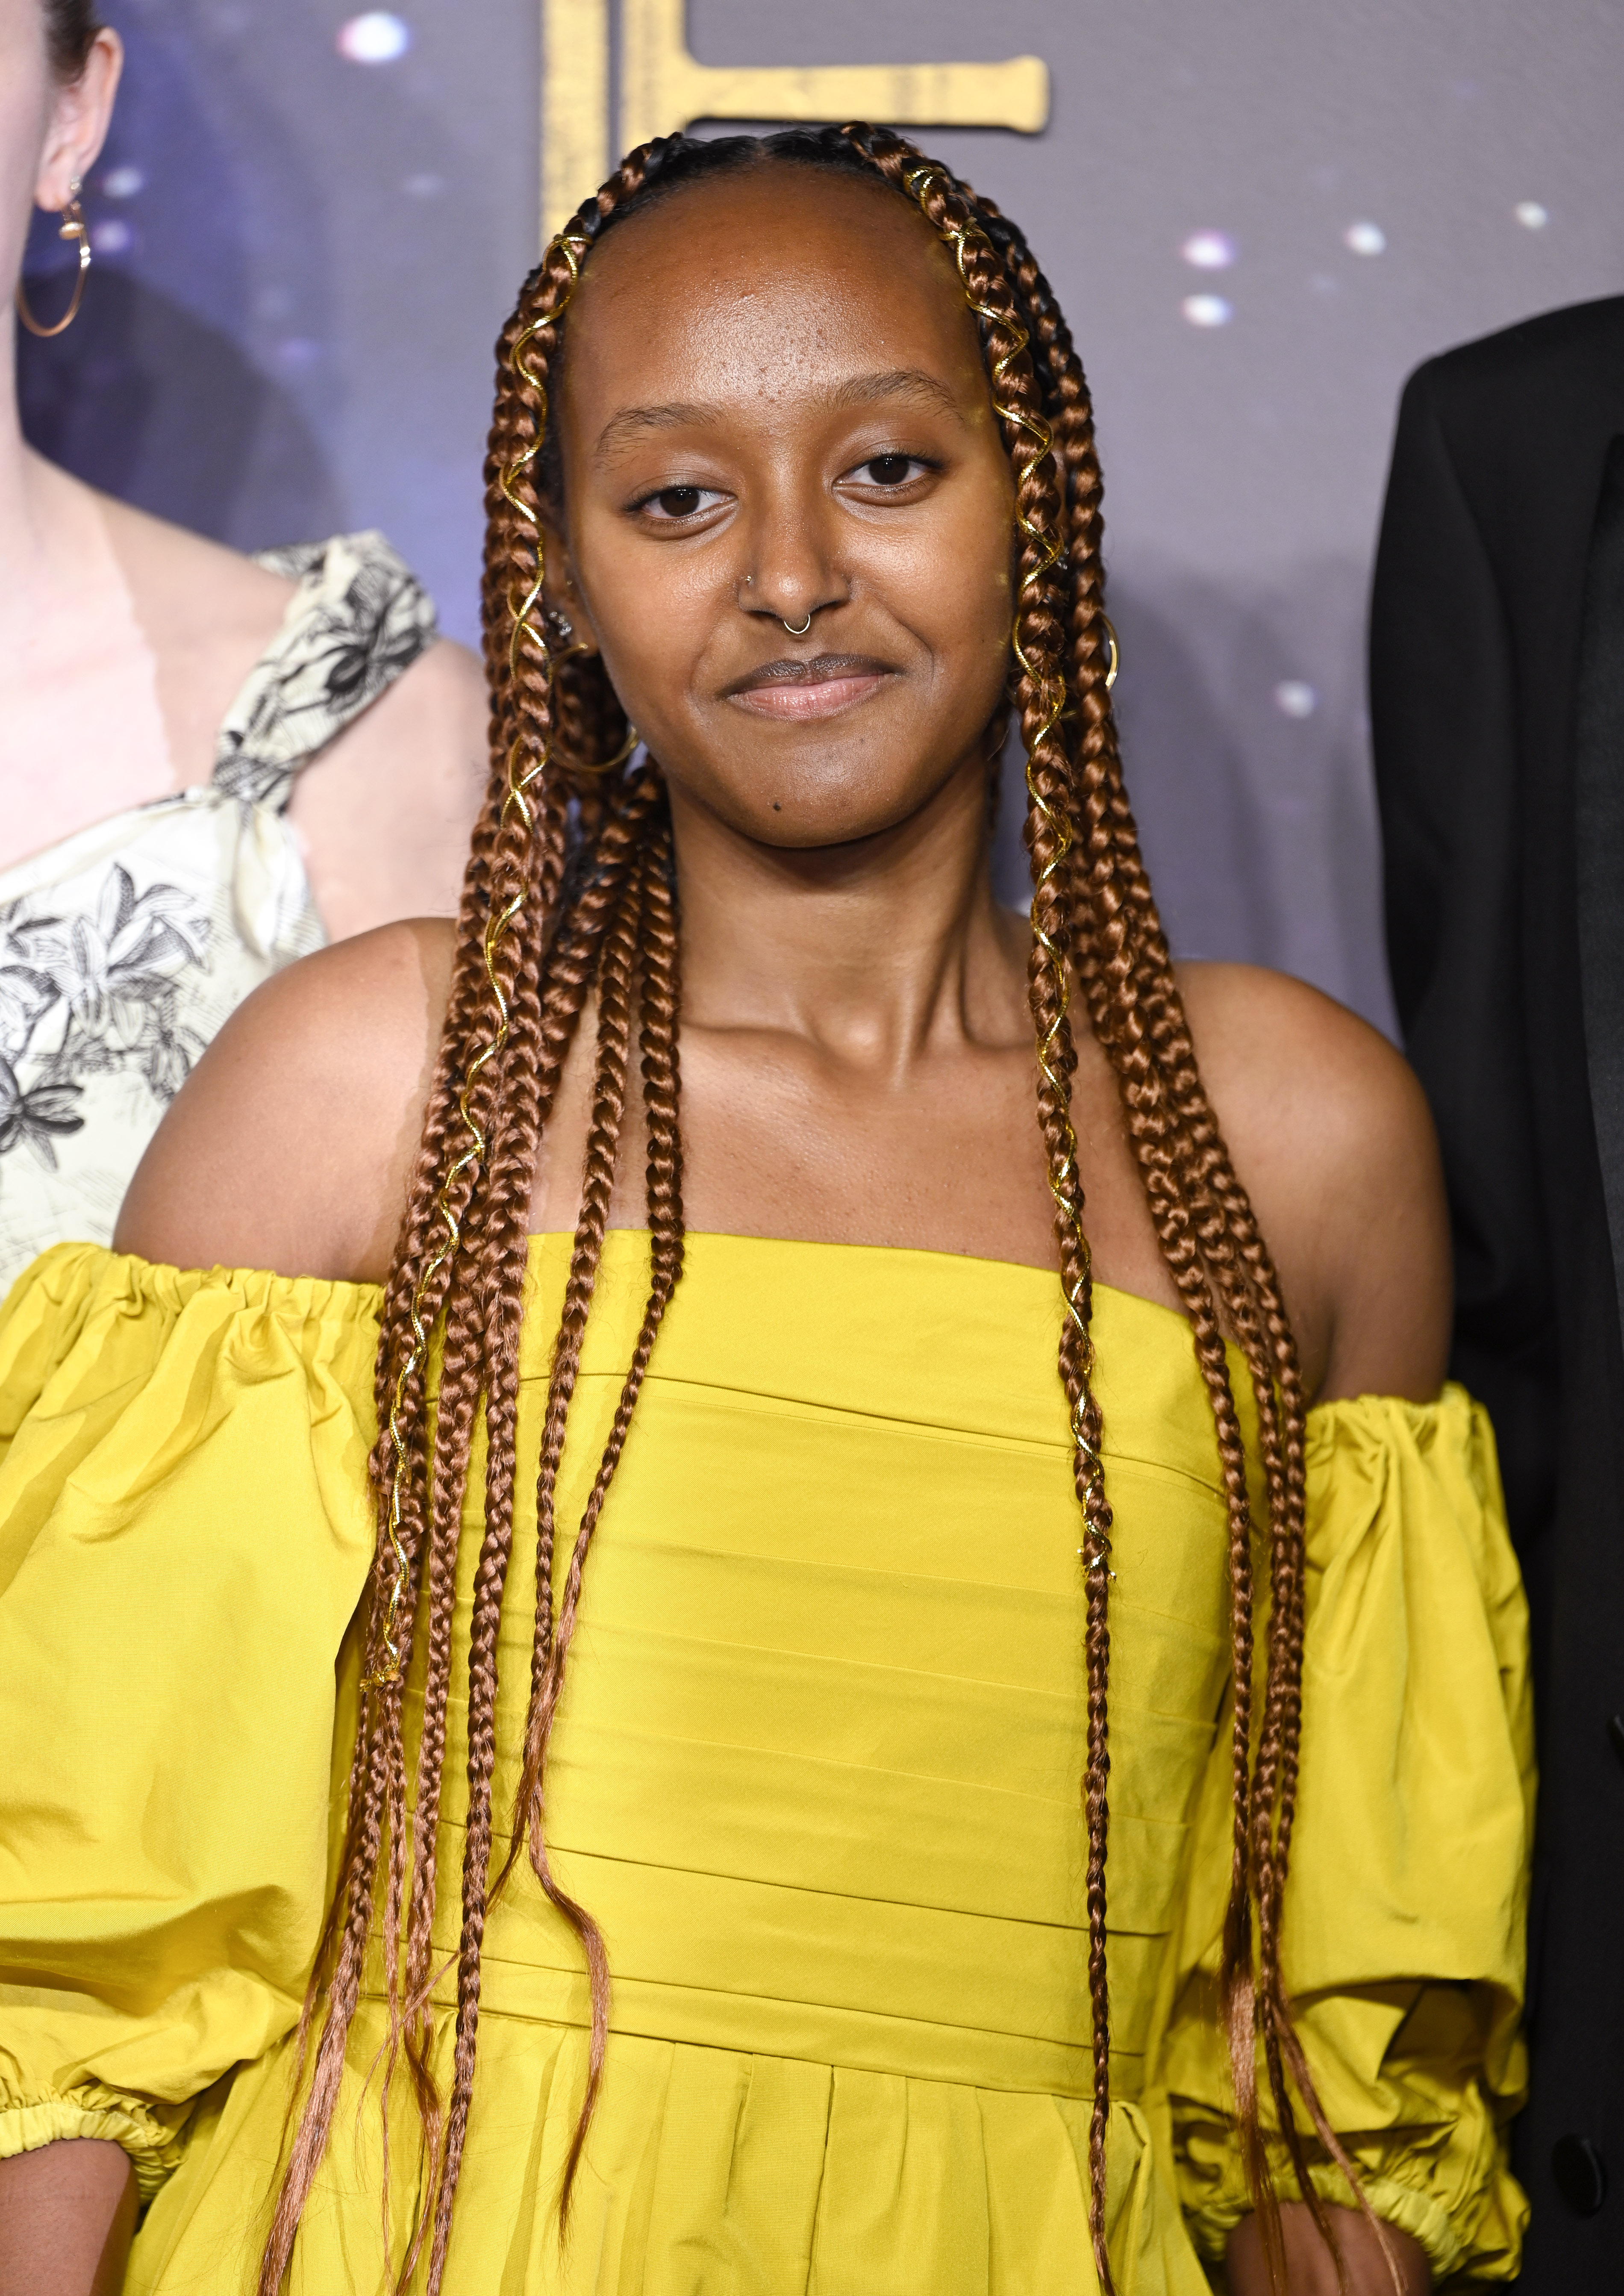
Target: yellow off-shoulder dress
(816,1777)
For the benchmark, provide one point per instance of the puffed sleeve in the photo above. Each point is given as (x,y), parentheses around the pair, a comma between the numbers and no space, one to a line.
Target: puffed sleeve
(1407,1894)
(185,1535)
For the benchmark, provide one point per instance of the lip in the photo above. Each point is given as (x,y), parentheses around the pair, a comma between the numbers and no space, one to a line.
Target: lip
(796,692)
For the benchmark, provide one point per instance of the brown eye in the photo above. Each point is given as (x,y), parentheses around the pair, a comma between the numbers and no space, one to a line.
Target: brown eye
(889,470)
(678,502)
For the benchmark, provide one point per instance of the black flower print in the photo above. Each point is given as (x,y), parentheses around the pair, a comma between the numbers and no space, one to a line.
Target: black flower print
(107,983)
(37,1117)
(367,622)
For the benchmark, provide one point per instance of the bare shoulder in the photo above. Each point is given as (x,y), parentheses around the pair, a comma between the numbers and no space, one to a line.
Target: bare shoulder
(449,677)
(191,592)
(1332,1137)
(444,687)
(415,762)
(289,1145)
(1313,1073)
(424,738)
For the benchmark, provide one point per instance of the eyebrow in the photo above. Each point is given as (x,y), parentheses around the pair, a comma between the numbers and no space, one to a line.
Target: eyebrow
(902,382)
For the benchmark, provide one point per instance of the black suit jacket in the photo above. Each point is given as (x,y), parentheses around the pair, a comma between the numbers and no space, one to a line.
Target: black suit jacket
(1492,700)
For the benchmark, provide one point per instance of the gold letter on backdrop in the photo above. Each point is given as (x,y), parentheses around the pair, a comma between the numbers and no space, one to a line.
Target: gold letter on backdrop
(664,89)
(574,106)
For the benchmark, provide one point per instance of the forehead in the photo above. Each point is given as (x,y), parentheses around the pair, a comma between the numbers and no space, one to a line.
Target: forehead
(761,282)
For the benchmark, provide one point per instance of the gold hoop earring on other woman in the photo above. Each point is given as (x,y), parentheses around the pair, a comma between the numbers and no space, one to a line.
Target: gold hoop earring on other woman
(72,227)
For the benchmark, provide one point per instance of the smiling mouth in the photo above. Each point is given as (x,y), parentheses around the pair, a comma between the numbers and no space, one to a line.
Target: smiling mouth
(802,690)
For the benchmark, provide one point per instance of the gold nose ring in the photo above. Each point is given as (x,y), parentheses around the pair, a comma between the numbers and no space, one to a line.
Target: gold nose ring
(799,629)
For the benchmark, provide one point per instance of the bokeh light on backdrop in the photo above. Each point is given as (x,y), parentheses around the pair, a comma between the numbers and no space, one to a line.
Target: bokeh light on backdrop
(310,221)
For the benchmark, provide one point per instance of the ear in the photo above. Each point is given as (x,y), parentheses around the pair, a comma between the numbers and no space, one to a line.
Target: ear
(562,591)
(80,122)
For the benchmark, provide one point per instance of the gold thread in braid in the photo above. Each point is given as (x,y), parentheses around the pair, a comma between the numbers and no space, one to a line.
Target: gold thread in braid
(526,623)
(571,250)
(1066,1186)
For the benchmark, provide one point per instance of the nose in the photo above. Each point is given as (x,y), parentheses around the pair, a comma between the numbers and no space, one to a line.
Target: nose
(791,571)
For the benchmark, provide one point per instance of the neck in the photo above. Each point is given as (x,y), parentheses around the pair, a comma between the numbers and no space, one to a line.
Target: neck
(27,542)
(879,953)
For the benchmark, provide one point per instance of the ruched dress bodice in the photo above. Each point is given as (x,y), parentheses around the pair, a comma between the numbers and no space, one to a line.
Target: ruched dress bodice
(816,1776)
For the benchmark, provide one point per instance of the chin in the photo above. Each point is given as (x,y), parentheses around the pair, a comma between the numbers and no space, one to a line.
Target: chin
(807,796)
(809,820)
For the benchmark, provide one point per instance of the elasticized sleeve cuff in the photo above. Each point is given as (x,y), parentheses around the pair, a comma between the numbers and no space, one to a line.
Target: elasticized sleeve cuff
(1395,2204)
(152,2142)
(1468,2215)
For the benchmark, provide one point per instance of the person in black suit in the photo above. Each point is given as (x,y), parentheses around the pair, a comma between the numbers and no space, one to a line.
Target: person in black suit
(1498,714)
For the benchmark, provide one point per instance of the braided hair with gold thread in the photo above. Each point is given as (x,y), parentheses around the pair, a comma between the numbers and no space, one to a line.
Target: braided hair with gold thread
(568,900)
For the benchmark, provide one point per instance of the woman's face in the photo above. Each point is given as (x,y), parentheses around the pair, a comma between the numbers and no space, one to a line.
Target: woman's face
(50,131)
(774,406)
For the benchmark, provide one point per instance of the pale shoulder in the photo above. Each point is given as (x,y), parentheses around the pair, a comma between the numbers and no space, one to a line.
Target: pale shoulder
(289,1145)
(447,676)
(415,762)
(422,742)
(1332,1137)
(191,592)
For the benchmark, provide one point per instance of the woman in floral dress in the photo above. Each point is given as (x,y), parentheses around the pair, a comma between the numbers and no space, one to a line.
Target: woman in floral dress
(161,849)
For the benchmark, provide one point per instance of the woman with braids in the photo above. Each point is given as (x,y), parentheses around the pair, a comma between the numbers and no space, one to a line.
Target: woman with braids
(818,1624)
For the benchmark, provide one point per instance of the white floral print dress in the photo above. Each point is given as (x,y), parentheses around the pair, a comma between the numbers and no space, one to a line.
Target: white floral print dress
(124,948)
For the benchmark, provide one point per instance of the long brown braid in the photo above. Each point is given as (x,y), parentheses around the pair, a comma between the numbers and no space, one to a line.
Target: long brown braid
(568,900)
(1170,1116)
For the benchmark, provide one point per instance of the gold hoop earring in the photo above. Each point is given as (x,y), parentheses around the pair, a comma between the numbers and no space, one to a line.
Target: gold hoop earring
(1116,652)
(72,227)
(608,764)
